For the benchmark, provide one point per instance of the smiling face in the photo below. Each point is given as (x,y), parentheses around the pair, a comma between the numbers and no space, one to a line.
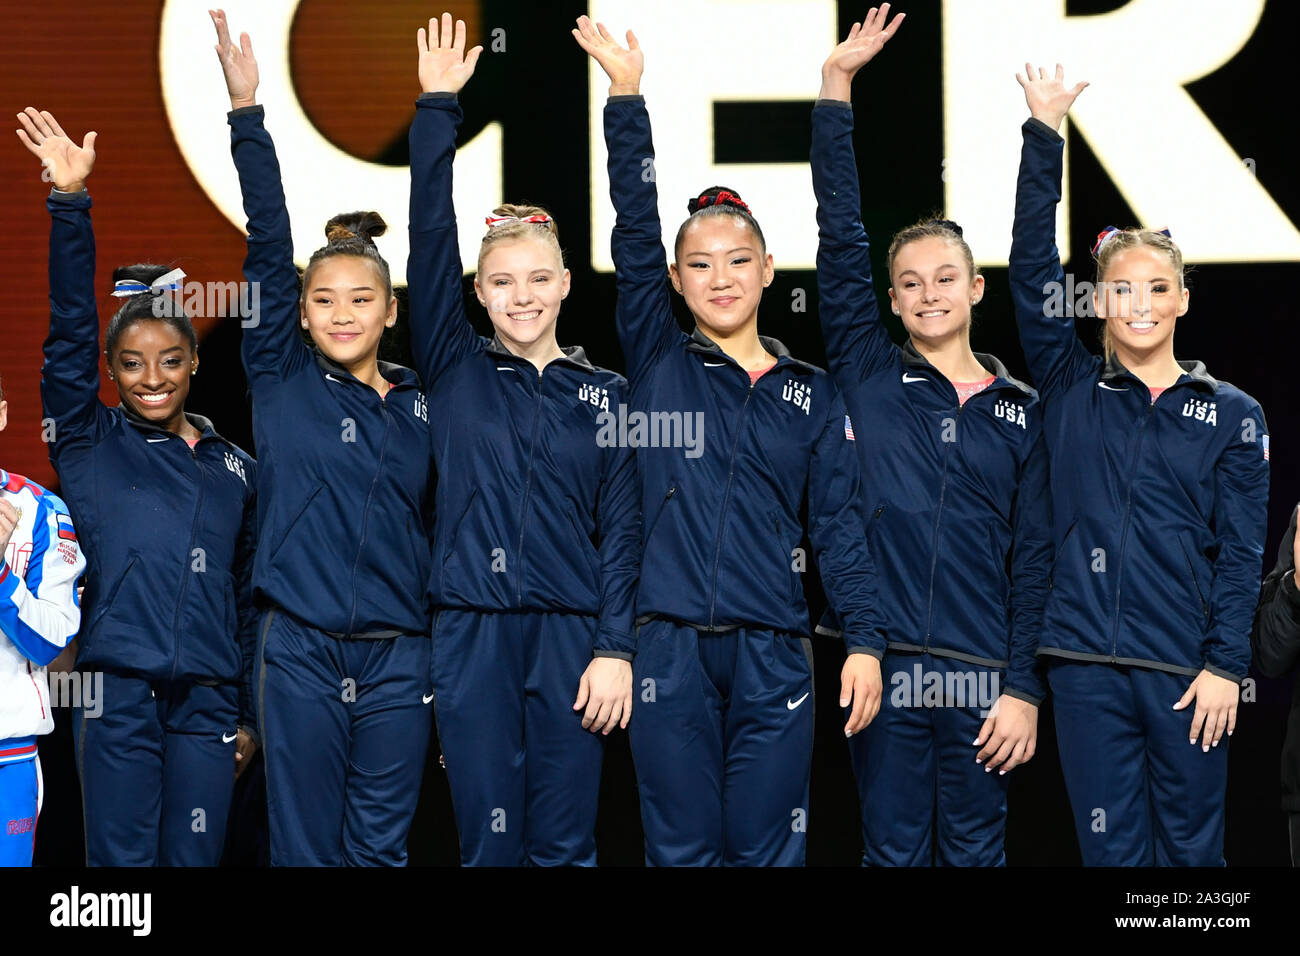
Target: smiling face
(346,307)
(932,290)
(1140,298)
(721,271)
(521,283)
(151,364)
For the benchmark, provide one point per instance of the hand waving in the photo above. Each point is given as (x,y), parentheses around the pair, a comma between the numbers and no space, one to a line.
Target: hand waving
(623,66)
(445,67)
(68,163)
(864,41)
(238,63)
(1047,96)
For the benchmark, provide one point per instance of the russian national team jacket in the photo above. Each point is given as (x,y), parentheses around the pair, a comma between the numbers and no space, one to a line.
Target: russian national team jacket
(1159,510)
(537,511)
(725,465)
(956,496)
(39,611)
(344,502)
(168,530)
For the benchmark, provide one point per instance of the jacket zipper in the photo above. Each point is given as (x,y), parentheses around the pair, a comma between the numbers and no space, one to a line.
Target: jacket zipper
(528,487)
(726,497)
(938,520)
(365,511)
(185,579)
(1123,541)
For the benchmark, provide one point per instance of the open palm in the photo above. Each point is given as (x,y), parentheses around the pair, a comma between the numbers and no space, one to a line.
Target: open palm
(623,65)
(444,65)
(864,41)
(68,163)
(1047,96)
(237,62)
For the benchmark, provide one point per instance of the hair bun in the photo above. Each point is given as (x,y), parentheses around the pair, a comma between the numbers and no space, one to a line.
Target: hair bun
(717,196)
(365,226)
(947,224)
(145,273)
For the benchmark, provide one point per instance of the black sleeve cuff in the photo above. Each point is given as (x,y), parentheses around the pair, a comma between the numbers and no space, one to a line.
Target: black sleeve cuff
(626,98)
(1042,129)
(246,111)
(1220,672)
(617,655)
(834,104)
(436,95)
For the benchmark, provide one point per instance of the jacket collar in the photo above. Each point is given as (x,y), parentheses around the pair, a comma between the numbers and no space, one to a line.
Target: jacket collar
(1194,370)
(201,424)
(395,374)
(573,354)
(700,342)
(914,359)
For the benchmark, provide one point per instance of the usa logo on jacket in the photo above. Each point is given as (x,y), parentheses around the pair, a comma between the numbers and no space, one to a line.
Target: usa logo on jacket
(1201,410)
(594,395)
(798,393)
(1012,412)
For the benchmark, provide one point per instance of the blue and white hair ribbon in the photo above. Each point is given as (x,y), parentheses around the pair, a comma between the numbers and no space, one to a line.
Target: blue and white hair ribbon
(170,282)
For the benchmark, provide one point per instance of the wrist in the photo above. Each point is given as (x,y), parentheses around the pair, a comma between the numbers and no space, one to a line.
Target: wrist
(630,88)
(1049,119)
(836,85)
(76,186)
(241,102)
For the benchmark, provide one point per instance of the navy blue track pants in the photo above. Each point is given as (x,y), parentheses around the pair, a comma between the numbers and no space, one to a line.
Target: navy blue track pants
(722,737)
(524,774)
(157,766)
(1141,795)
(924,799)
(345,732)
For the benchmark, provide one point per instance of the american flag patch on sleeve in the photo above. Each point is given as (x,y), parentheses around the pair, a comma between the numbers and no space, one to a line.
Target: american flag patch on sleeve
(848,433)
(65,528)
(1266,448)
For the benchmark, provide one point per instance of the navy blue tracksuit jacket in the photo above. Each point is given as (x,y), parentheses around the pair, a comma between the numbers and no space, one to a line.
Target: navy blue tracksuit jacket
(147,506)
(720,526)
(344,509)
(1159,510)
(525,480)
(955,496)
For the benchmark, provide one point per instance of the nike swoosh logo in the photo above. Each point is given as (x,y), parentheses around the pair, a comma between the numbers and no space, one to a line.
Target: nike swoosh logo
(428,698)
(506,368)
(1111,387)
(154,441)
(226,740)
(714,364)
(333,379)
(792,704)
(913,378)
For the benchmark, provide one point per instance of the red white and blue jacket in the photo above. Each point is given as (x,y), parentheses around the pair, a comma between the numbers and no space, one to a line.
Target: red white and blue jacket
(39,611)
(1159,510)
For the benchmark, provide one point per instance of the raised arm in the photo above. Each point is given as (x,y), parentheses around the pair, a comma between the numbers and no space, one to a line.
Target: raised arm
(70,375)
(1044,313)
(644,315)
(272,346)
(857,344)
(441,335)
